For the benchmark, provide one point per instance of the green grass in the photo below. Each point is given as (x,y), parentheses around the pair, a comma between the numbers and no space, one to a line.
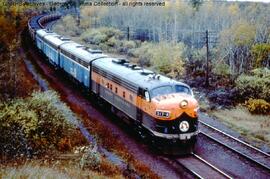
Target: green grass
(254,127)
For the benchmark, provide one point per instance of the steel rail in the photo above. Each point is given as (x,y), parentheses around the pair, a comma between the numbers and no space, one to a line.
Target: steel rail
(212,166)
(234,138)
(234,150)
(195,174)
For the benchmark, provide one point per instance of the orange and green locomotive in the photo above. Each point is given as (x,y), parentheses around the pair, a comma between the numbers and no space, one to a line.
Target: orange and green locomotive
(161,109)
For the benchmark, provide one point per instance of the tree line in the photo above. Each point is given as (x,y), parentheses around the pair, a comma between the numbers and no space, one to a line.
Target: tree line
(239,38)
(235,37)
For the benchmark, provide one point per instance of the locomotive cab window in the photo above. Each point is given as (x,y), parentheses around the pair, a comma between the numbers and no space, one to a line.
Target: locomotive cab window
(163,90)
(182,89)
(159,91)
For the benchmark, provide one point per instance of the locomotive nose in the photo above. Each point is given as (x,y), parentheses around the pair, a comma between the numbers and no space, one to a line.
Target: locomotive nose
(174,105)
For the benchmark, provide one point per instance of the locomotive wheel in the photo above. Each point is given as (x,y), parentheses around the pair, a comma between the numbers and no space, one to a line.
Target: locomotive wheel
(192,145)
(141,132)
(154,146)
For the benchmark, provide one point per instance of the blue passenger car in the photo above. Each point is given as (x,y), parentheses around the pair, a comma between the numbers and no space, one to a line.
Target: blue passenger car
(75,60)
(52,44)
(42,44)
(39,36)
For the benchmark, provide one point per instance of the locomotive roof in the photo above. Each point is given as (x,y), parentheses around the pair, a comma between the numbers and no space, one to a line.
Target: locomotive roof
(42,33)
(55,39)
(81,52)
(135,77)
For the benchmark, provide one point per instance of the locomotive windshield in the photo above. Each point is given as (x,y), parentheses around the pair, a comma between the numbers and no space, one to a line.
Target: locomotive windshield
(182,89)
(163,90)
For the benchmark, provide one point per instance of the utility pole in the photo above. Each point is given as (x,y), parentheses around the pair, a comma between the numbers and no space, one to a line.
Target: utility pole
(128,33)
(95,22)
(207,60)
(77,7)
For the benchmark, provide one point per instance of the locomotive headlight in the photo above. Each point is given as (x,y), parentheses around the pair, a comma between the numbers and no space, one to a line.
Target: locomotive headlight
(184,126)
(183,104)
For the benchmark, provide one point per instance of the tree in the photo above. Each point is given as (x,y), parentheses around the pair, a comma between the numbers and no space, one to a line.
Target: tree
(196,4)
(261,53)
(235,46)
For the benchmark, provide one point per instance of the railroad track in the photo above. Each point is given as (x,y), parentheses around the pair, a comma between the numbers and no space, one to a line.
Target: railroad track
(199,167)
(243,149)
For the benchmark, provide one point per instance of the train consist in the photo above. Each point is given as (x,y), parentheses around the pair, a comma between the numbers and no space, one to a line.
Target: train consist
(161,109)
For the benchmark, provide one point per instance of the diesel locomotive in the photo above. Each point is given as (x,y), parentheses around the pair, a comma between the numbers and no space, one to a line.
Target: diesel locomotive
(160,108)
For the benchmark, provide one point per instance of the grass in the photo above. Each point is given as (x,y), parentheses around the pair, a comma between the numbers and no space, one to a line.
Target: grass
(254,127)
(204,104)
(109,141)
(57,169)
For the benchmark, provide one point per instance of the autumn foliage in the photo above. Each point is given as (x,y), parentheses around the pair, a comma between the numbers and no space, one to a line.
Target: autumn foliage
(14,81)
(258,106)
(35,124)
(255,85)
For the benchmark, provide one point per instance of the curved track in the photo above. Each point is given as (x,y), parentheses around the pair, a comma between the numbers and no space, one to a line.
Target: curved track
(200,168)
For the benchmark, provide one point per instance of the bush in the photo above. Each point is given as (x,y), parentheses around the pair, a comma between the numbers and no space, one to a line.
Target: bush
(98,38)
(261,54)
(107,39)
(258,106)
(70,26)
(126,46)
(129,44)
(112,32)
(91,158)
(167,58)
(101,35)
(113,42)
(93,36)
(195,61)
(36,124)
(221,69)
(256,85)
